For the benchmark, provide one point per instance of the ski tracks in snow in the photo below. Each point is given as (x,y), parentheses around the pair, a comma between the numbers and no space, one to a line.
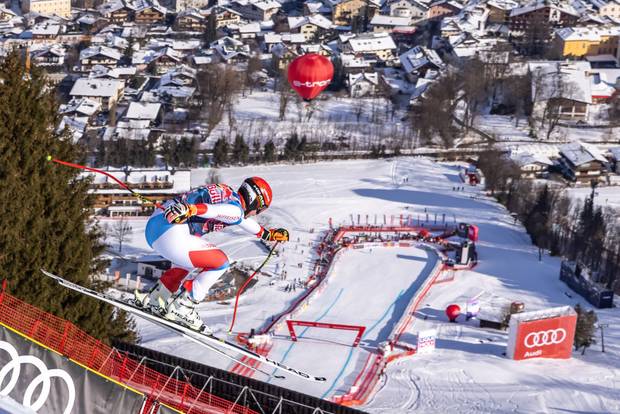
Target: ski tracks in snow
(407,397)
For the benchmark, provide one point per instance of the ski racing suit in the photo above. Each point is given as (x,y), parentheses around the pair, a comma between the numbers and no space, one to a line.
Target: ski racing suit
(183,244)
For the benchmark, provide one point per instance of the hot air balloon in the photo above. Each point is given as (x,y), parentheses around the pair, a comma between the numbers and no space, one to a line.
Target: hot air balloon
(453,311)
(310,74)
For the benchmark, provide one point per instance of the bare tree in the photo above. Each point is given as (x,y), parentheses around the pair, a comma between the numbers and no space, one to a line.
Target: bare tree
(120,232)
(218,85)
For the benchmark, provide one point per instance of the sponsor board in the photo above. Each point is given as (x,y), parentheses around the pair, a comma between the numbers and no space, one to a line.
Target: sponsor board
(426,341)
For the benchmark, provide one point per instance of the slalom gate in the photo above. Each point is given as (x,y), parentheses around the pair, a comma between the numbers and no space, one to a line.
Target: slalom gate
(409,233)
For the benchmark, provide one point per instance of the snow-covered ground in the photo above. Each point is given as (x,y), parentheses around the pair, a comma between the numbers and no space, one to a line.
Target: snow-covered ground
(467,372)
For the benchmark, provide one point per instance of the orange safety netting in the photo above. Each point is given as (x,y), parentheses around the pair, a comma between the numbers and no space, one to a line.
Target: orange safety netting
(68,340)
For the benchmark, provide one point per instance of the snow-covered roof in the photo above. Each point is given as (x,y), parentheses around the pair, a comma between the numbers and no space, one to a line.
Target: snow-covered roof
(143,110)
(382,20)
(372,42)
(523,159)
(372,77)
(96,87)
(579,153)
(555,79)
(539,4)
(588,33)
(503,4)
(83,106)
(252,27)
(180,180)
(315,19)
(542,314)
(418,57)
(92,51)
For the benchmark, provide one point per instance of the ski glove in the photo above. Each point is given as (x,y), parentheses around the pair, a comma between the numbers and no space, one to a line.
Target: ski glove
(275,235)
(178,213)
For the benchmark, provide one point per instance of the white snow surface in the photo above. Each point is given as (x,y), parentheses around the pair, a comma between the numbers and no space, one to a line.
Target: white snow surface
(10,406)
(467,372)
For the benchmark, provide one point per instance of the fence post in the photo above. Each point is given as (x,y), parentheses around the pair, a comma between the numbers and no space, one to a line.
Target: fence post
(65,334)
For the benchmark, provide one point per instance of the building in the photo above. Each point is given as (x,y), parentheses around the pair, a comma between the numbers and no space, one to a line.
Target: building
(103,91)
(609,8)
(181,5)
(582,163)
(561,87)
(443,8)
(149,14)
(376,45)
(313,27)
(363,84)
(49,56)
(345,11)
(499,10)
(260,10)
(588,41)
(408,8)
(382,23)
(418,60)
(542,13)
(99,55)
(60,8)
(158,185)
(531,165)
(224,16)
(190,20)
(116,11)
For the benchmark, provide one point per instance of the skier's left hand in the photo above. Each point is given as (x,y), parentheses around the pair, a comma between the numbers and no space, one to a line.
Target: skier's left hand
(178,213)
(278,235)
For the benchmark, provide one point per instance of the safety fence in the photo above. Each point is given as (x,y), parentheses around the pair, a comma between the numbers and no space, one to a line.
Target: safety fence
(65,338)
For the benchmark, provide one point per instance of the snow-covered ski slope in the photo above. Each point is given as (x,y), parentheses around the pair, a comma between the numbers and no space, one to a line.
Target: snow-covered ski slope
(467,372)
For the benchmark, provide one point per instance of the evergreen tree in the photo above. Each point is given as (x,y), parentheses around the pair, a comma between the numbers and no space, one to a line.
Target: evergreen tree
(44,207)
(220,152)
(241,150)
(269,152)
(256,151)
(585,329)
(291,147)
(211,29)
(537,221)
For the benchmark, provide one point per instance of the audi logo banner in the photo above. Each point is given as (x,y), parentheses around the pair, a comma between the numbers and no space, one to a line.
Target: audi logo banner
(46,382)
(542,335)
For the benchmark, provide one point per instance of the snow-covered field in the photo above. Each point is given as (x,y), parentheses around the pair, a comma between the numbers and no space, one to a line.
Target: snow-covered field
(467,372)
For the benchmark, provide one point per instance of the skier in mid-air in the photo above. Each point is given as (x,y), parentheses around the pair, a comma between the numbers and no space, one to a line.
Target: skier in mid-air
(176,233)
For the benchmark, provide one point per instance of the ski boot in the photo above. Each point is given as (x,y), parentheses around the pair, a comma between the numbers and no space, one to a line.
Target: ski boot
(182,310)
(155,300)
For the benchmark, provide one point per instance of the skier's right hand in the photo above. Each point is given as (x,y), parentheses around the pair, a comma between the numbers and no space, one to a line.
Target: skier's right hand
(178,213)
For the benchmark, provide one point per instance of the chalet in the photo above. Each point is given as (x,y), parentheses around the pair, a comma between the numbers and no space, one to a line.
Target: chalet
(81,107)
(149,14)
(181,76)
(165,59)
(418,60)
(152,266)
(561,87)
(190,20)
(344,11)
(224,16)
(408,8)
(230,50)
(381,23)
(582,163)
(313,27)
(43,31)
(259,10)
(443,8)
(144,111)
(158,185)
(379,45)
(363,84)
(99,55)
(542,12)
(246,31)
(105,92)
(49,56)
(499,11)
(116,11)
(531,165)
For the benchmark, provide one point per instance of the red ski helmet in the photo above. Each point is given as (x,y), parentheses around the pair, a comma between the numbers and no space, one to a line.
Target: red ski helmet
(256,194)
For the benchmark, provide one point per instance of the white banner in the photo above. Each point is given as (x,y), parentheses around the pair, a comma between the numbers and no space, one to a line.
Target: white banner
(426,341)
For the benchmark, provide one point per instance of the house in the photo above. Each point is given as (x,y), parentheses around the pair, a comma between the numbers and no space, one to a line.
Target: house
(181,5)
(103,91)
(152,266)
(499,11)
(247,31)
(379,45)
(162,60)
(46,30)
(418,60)
(49,56)
(408,8)
(588,41)
(363,84)
(116,11)
(604,84)
(259,10)
(224,16)
(531,165)
(144,111)
(581,162)
(560,87)
(181,76)
(60,8)
(81,107)
(381,23)
(607,8)
(157,185)
(149,14)
(344,11)
(313,27)
(443,8)
(99,55)
(230,50)
(190,20)
(540,13)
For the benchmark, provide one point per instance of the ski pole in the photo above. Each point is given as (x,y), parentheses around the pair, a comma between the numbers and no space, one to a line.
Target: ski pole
(232,323)
(95,170)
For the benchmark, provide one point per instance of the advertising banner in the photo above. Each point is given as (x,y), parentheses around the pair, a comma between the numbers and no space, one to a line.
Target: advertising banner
(47,382)
(550,337)
(426,341)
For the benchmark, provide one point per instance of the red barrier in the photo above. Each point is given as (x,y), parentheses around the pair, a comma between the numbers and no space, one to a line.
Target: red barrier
(65,338)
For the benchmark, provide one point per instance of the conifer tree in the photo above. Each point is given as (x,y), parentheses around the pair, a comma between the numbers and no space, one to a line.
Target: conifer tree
(269,152)
(45,207)
(585,329)
(220,152)
(241,150)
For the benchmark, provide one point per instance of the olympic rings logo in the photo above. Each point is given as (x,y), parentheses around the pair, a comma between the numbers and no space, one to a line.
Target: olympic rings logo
(43,379)
(541,338)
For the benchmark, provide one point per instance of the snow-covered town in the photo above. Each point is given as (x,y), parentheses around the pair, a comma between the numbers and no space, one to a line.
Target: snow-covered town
(309,207)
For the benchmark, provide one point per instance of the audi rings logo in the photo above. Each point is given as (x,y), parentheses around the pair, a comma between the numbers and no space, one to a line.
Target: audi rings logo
(13,368)
(542,338)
